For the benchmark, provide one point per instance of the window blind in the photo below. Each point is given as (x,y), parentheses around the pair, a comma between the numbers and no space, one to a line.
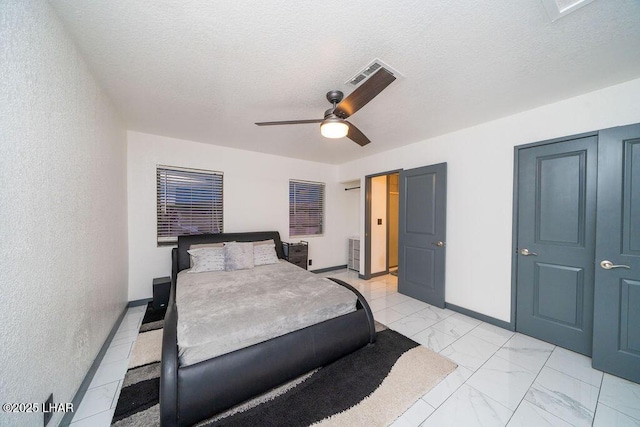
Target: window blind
(306,208)
(189,202)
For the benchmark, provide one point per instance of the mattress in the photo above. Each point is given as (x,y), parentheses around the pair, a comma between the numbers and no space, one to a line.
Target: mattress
(223,311)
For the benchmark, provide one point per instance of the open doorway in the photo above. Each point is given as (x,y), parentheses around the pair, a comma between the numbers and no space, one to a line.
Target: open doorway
(421,230)
(382,224)
(393,206)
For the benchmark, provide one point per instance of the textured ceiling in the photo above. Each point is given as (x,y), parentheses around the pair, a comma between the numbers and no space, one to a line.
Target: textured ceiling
(207,70)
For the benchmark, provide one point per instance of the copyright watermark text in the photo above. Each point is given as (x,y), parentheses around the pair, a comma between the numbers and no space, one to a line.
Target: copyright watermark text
(37,407)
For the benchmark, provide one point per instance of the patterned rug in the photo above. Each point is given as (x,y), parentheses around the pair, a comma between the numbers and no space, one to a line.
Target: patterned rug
(370,387)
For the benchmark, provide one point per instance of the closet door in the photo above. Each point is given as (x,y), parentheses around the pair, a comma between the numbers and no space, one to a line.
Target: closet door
(556,242)
(421,247)
(616,346)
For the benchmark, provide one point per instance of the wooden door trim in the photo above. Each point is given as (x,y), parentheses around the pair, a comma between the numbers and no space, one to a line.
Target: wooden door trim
(367,225)
(514,222)
(387,224)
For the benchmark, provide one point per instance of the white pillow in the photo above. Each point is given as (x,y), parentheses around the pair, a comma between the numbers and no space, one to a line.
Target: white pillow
(238,256)
(264,254)
(207,259)
(203,245)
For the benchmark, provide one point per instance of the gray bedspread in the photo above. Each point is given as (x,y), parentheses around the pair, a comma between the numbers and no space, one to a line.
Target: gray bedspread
(223,311)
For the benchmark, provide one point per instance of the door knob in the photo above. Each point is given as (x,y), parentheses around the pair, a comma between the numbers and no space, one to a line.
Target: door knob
(439,243)
(526,252)
(608,265)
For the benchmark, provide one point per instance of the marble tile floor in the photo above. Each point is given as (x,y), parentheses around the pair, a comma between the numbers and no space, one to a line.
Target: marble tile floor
(503,378)
(99,403)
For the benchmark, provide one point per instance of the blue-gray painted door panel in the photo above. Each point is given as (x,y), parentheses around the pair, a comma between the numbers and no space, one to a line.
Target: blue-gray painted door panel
(556,224)
(422,222)
(616,347)
(551,281)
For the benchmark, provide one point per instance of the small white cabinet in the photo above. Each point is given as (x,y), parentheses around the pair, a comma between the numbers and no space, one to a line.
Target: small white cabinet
(353,263)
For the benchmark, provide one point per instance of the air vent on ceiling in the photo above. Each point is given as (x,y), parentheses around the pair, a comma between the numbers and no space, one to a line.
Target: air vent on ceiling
(370,69)
(556,9)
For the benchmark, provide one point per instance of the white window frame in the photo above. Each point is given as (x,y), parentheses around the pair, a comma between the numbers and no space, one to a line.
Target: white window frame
(295,226)
(177,182)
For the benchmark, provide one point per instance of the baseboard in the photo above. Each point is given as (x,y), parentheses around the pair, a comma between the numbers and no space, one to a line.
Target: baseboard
(325,270)
(382,273)
(371,276)
(139,302)
(480,316)
(84,386)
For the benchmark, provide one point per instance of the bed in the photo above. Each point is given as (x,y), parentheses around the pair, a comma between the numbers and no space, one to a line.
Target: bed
(199,379)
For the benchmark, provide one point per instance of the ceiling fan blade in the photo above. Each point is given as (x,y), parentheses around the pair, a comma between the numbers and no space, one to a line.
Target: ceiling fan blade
(356,135)
(363,94)
(290,122)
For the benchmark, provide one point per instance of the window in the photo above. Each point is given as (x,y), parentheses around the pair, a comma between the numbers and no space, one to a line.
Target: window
(189,202)
(306,208)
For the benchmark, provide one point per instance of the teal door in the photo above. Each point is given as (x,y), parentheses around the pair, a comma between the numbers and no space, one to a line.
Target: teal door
(616,346)
(421,238)
(556,242)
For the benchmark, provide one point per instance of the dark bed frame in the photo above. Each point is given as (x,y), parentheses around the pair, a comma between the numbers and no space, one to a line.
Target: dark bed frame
(189,394)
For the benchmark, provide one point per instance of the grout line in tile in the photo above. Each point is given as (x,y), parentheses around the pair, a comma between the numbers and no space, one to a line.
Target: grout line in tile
(101,385)
(116,396)
(532,383)
(616,410)
(489,397)
(578,379)
(85,418)
(598,399)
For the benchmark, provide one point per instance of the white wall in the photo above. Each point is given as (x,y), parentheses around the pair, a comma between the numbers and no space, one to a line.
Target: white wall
(256,197)
(351,208)
(62,212)
(378,232)
(480,181)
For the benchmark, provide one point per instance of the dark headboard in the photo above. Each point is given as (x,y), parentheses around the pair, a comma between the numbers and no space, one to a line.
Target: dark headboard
(185,242)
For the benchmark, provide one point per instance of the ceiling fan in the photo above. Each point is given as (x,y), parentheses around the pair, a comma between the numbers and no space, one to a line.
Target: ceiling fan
(334,124)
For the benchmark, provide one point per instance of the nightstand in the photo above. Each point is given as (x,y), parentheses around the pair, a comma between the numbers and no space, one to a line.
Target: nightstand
(296,253)
(161,290)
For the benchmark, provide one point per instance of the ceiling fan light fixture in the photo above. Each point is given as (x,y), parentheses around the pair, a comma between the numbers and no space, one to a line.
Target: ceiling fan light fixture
(334,124)
(334,127)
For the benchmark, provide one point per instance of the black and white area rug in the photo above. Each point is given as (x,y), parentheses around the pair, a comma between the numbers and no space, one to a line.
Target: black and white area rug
(370,387)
